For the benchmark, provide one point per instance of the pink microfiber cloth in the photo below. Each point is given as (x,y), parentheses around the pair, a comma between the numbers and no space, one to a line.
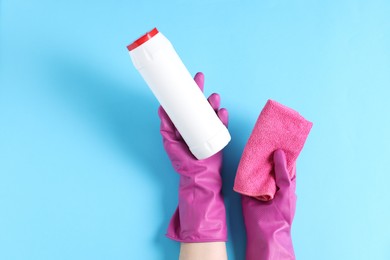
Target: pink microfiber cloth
(278,127)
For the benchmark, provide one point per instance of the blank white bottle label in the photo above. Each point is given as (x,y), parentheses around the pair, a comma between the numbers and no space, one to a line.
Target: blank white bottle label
(173,86)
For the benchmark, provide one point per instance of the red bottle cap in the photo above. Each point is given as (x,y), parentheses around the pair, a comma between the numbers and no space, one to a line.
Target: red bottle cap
(141,40)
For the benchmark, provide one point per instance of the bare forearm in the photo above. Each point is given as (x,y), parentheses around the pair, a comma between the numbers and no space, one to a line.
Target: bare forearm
(203,251)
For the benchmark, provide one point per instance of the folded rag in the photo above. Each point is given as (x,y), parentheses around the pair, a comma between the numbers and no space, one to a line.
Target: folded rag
(278,127)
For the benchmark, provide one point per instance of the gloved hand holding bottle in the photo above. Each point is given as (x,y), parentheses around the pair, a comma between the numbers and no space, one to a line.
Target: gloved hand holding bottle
(199,221)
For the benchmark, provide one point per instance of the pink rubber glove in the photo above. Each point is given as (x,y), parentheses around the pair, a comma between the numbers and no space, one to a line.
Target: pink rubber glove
(200,215)
(268,223)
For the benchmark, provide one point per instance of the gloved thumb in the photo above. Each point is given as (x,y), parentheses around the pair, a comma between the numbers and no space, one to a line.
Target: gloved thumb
(282,176)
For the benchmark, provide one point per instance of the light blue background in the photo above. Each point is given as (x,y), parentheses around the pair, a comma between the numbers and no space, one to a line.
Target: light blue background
(83,174)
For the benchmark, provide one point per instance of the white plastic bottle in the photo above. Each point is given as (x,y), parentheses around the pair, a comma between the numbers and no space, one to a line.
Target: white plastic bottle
(162,69)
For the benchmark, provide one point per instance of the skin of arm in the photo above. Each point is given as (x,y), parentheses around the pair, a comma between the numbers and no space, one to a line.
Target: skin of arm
(203,251)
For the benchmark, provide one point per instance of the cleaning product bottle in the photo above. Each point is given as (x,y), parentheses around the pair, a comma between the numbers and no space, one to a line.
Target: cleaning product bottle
(162,69)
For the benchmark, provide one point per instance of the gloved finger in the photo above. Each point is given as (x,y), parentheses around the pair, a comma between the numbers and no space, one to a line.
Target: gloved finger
(215,101)
(199,79)
(282,175)
(167,128)
(223,115)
